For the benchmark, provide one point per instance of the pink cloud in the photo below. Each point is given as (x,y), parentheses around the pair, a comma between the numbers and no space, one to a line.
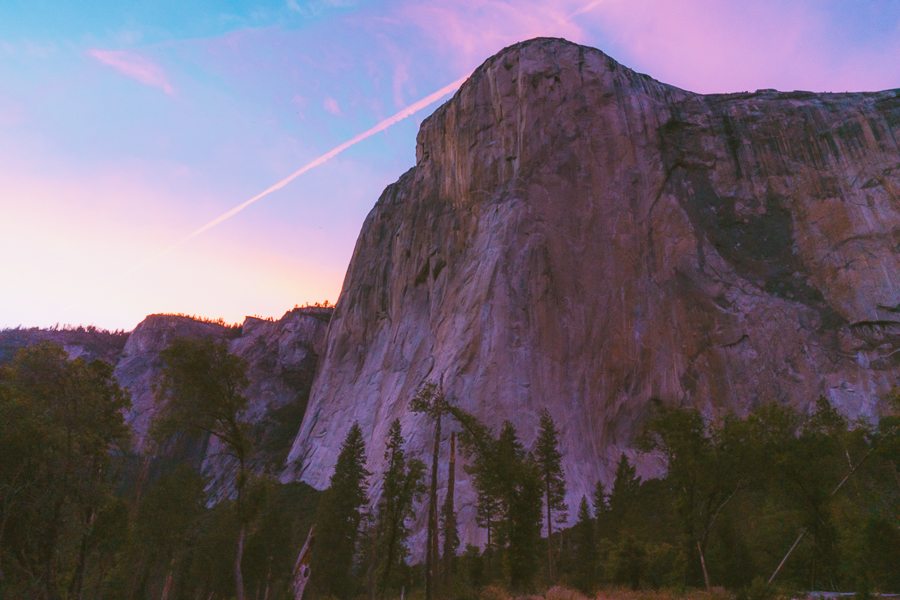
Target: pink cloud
(331,105)
(136,67)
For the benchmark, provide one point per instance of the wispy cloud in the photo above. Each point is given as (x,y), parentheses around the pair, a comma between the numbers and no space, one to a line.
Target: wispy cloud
(331,105)
(136,67)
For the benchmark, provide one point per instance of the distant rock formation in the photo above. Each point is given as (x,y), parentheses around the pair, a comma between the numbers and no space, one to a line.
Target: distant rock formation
(88,343)
(580,237)
(281,357)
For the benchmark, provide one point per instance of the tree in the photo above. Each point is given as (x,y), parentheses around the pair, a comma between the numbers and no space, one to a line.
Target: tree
(430,401)
(200,391)
(517,483)
(549,460)
(585,549)
(601,499)
(166,524)
(624,494)
(340,516)
(629,562)
(448,516)
(403,485)
(61,431)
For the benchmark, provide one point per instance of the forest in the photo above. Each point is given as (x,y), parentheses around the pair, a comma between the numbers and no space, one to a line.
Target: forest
(772,503)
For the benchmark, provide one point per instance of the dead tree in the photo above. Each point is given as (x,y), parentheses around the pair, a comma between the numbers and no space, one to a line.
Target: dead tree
(301,570)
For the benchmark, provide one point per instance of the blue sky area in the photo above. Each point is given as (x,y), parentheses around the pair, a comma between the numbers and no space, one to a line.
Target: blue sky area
(125,126)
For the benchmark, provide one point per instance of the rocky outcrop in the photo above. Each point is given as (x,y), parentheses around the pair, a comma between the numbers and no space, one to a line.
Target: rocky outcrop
(281,363)
(580,237)
(140,364)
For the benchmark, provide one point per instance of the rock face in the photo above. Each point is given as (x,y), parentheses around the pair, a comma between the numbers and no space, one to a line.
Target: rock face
(281,356)
(136,371)
(580,237)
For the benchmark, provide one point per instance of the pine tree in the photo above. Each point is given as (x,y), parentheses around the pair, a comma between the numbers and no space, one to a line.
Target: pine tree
(624,493)
(585,549)
(549,459)
(403,484)
(430,400)
(518,489)
(601,510)
(340,515)
(601,500)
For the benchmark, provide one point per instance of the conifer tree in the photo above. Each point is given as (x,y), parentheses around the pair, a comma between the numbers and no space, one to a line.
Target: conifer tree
(518,488)
(403,484)
(549,459)
(341,512)
(624,492)
(585,549)
(430,400)
(601,500)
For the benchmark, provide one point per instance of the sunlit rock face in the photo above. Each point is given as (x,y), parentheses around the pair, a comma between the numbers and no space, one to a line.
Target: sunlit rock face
(580,237)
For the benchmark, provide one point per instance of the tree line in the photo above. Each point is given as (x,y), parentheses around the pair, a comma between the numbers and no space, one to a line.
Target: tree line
(777,499)
(774,501)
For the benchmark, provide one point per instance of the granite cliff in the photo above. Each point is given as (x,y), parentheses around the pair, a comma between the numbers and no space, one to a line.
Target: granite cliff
(581,237)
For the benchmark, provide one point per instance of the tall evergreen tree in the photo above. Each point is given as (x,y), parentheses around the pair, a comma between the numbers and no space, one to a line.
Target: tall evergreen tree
(601,499)
(403,485)
(341,512)
(430,400)
(519,490)
(549,460)
(624,493)
(585,549)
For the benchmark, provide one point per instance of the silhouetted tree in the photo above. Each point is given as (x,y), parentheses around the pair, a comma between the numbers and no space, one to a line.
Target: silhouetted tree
(585,549)
(403,485)
(549,460)
(340,516)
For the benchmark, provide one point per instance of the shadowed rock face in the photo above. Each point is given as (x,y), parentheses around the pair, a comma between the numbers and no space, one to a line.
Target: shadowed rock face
(281,359)
(580,237)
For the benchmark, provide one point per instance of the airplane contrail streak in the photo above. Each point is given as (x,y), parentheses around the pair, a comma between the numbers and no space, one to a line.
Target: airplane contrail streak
(406,112)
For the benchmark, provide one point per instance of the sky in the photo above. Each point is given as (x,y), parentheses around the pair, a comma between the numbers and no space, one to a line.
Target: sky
(126,127)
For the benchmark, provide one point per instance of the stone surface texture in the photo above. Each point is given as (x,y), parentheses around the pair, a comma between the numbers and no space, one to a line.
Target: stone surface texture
(281,357)
(581,237)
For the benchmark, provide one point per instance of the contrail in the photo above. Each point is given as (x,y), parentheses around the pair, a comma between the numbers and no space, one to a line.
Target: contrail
(585,9)
(406,112)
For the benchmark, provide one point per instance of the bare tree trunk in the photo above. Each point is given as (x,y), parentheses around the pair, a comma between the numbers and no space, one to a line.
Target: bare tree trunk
(549,536)
(432,552)
(301,569)
(450,514)
(238,573)
(168,586)
(703,564)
